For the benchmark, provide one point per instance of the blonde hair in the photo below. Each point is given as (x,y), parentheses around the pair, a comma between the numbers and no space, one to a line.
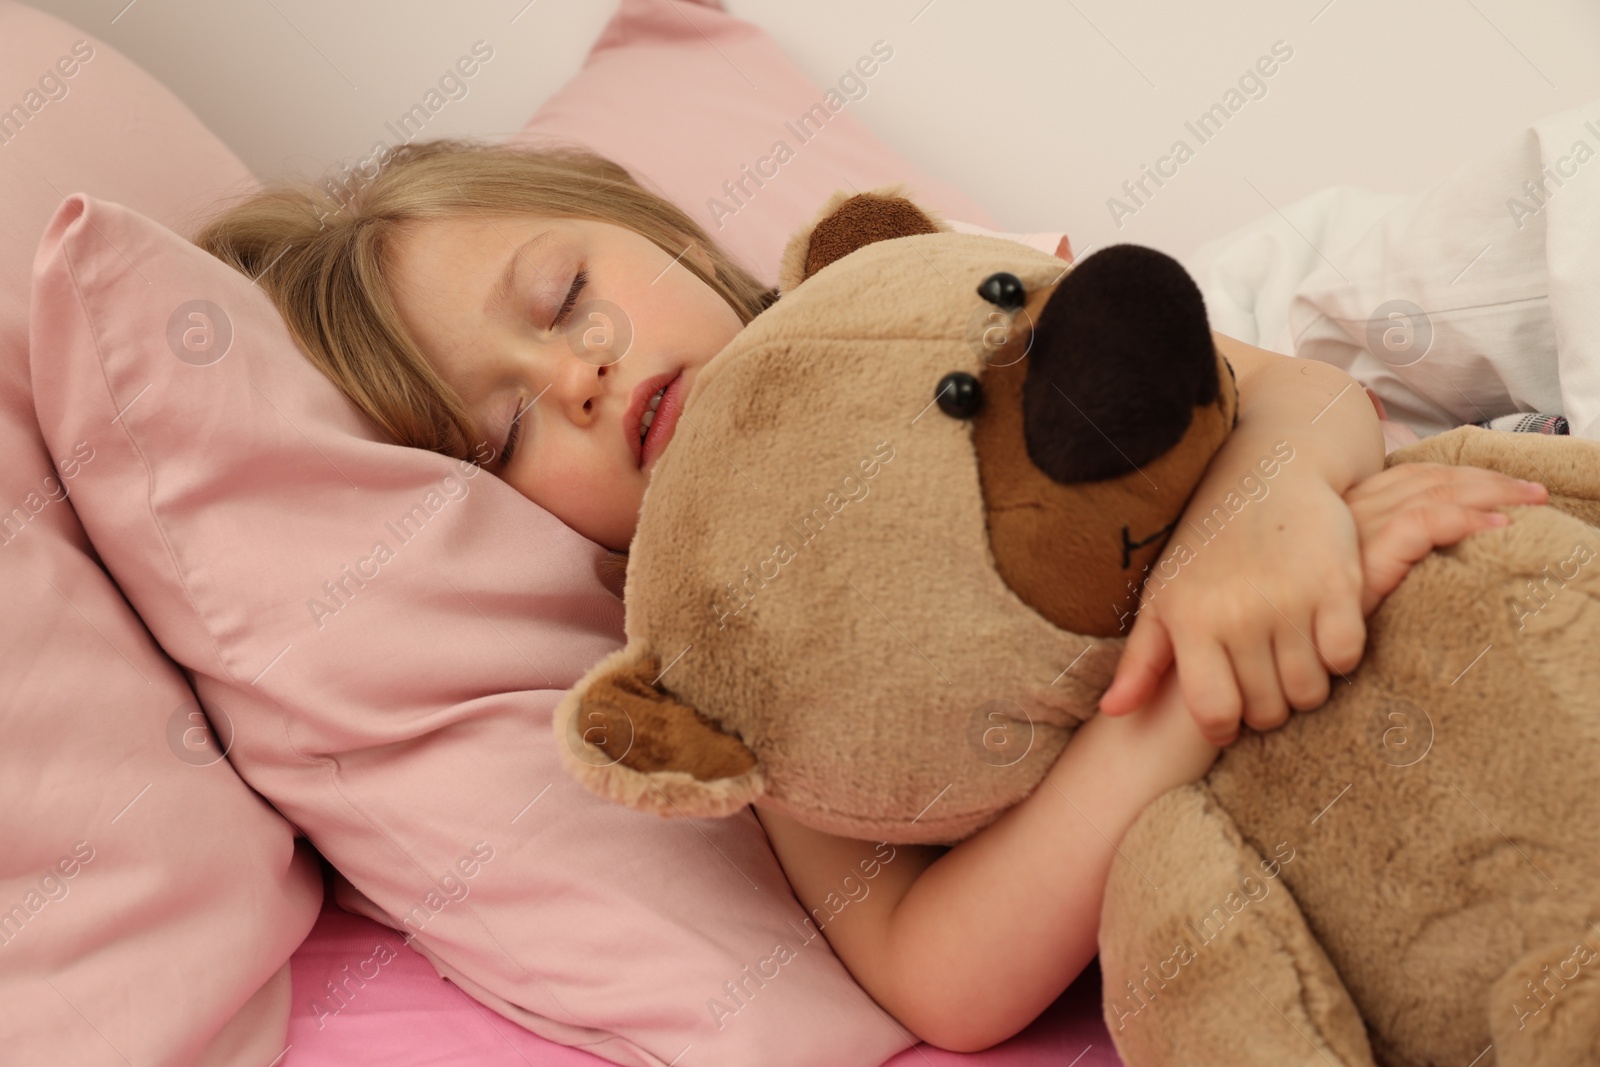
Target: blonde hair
(320,252)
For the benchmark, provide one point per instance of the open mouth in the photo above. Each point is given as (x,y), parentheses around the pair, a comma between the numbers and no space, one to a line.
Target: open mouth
(650,413)
(658,419)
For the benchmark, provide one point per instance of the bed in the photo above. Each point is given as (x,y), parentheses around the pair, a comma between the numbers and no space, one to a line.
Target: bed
(408,1016)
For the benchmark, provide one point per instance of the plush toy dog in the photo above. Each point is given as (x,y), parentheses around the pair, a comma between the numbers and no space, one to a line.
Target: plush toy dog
(883,571)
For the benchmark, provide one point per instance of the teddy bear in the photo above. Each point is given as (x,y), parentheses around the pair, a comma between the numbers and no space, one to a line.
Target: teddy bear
(886,567)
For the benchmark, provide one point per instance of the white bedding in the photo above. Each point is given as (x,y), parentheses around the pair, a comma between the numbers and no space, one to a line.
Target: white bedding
(1500,264)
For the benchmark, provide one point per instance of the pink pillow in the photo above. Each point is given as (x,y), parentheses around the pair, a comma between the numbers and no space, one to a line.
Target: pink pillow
(705,109)
(1055,244)
(388,630)
(149,901)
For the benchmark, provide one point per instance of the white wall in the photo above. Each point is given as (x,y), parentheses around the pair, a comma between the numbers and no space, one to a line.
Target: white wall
(1041,110)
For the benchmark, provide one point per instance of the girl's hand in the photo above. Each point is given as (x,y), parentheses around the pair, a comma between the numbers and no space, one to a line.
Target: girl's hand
(1399,515)
(1256,615)
(1163,735)
(1403,513)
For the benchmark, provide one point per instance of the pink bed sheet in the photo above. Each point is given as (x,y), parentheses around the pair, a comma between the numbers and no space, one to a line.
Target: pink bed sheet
(407,1016)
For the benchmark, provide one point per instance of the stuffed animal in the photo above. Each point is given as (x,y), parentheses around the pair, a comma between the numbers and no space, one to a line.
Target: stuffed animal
(884,569)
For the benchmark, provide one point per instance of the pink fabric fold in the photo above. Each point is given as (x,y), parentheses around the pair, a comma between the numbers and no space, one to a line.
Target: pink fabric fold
(387,630)
(149,901)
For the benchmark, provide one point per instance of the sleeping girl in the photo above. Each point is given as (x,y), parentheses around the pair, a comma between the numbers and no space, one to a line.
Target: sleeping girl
(470,300)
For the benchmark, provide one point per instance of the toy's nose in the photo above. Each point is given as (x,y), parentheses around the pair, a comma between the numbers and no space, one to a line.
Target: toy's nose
(1121,357)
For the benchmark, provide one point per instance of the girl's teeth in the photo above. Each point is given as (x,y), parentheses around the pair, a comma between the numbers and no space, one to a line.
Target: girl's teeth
(650,411)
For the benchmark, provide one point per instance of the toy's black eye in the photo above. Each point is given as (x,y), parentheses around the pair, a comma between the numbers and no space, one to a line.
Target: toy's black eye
(960,395)
(1003,290)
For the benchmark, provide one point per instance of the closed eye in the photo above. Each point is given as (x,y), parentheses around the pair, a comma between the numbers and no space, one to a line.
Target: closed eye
(511,434)
(579,280)
(516,427)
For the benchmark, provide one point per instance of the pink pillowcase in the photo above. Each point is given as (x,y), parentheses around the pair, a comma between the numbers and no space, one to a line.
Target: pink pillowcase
(392,702)
(705,109)
(1055,244)
(388,631)
(149,901)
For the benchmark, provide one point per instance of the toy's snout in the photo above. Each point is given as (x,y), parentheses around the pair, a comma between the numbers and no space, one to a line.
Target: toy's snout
(1136,356)
(1093,428)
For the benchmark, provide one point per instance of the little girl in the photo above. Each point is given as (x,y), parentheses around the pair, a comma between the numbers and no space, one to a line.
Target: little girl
(469,299)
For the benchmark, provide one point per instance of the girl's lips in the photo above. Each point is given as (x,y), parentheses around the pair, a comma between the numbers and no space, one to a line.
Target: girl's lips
(638,404)
(661,427)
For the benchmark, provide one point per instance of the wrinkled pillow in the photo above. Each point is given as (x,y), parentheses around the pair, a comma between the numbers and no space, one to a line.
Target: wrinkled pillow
(705,109)
(388,631)
(149,901)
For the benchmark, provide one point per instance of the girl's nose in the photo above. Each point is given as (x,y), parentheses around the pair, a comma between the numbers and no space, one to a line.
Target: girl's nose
(578,387)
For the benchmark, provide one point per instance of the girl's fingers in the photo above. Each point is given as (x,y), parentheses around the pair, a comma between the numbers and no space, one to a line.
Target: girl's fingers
(1205,674)
(1145,659)
(1301,670)
(1409,536)
(1411,483)
(1479,488)
(1265,707)
(1389,489)
(1339,636)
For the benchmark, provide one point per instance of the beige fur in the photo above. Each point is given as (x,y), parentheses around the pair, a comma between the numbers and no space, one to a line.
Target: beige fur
(1376,882)
(1438,867)
(859,657)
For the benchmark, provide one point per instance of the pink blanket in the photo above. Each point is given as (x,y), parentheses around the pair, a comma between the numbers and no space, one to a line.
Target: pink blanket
(361,995)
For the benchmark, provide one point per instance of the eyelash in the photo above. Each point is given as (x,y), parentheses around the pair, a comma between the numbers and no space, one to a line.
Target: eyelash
(511,435)
(580,280)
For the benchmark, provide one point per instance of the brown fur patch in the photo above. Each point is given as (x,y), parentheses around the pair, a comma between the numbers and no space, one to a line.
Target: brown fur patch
(860,221)
(654,731)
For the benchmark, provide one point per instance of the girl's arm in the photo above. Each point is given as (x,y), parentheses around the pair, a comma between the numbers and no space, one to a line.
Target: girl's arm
(1271,592)
(1265,592)
(968,945)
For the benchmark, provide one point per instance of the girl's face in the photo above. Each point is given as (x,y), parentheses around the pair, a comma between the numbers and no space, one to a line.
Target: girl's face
(556,334)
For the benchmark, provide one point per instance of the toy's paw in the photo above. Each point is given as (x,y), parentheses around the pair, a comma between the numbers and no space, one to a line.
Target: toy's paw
(1207,957)
(1545,1011)
(1553,597)
(631,741)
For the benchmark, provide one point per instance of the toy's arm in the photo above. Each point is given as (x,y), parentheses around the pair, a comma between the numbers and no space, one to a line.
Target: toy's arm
(968,947)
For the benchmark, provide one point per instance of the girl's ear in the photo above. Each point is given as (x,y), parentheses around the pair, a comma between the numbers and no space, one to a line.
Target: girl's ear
(849,221)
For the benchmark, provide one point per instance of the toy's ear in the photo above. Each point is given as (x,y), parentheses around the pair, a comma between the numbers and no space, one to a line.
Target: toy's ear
(849,221)
(629,740)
